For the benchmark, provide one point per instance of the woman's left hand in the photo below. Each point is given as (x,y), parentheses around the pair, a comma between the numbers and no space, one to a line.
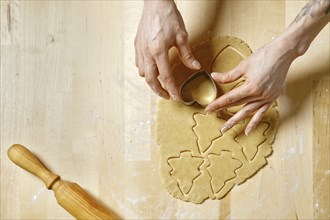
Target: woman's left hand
(264,72)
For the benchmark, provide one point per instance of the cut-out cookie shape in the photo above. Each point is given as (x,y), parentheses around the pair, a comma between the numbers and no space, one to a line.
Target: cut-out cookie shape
(187,130)
(227,59)
(199,88)
(222,169)
(250,146)
(205,137)
(185,170)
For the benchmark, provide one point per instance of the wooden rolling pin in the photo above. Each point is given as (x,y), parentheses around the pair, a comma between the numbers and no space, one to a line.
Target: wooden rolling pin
(69,195)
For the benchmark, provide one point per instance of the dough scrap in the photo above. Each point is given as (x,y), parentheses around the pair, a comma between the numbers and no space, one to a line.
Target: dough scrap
(197,161)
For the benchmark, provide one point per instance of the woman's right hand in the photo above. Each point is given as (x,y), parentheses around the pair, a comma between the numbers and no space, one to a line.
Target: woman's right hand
(161,27)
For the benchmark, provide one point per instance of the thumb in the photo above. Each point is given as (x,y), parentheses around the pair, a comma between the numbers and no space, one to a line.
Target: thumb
(187,57)
(227,77)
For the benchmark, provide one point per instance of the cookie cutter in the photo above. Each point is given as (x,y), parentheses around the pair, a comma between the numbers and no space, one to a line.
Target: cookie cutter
(190,94)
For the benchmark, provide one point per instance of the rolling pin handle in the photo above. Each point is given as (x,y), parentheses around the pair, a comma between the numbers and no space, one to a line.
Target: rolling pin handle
(22,157)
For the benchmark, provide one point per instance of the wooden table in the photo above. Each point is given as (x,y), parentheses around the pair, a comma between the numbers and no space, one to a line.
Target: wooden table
(71,93)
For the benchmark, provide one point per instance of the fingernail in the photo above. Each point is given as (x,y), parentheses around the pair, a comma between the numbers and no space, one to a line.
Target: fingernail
(213,75)
(225,128)
(208,110)
(196,64)
(248,131)
(175,98)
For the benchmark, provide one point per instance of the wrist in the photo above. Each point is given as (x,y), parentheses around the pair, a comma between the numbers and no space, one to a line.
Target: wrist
(160,7)
(287,47)
(296,41)
(148,3)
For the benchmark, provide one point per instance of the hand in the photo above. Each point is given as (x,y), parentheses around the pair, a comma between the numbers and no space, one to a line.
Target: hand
(161,27)
(264,72)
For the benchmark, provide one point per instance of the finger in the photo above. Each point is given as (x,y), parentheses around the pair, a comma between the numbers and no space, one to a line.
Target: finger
(151,74)
(229,98)
(136,59)
(165,75)
(245,112)
(187,56)
(136,54)
(257,118)
(141,64)
(139,61)
(248,99)
(227,77)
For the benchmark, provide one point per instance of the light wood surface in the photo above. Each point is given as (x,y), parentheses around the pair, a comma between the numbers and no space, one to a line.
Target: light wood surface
(69,195)
(71,93)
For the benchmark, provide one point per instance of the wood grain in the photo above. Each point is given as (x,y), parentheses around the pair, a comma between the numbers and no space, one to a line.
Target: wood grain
(70,90)
(74,199)
(321,149)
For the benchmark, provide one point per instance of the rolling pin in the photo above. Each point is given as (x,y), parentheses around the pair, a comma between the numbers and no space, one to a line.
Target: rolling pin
(69,195)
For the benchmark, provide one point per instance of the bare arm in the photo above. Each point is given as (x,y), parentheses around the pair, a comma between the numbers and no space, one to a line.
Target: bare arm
(308,23)
(265,70)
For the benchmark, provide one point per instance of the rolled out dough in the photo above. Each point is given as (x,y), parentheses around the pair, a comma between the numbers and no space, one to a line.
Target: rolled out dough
(197,161)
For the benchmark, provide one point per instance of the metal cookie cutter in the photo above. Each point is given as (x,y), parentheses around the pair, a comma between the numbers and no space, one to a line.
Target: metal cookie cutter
(199,88)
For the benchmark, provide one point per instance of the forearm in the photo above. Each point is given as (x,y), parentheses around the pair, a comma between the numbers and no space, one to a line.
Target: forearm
(149,4)
(306,26)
